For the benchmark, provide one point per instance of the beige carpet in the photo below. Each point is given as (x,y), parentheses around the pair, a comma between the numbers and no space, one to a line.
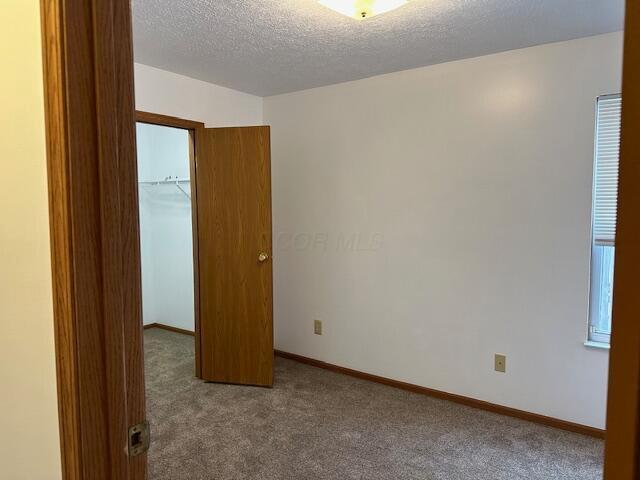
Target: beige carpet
(316,424)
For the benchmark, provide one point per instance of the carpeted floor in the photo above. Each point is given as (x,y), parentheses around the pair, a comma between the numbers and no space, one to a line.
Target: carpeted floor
(316,424)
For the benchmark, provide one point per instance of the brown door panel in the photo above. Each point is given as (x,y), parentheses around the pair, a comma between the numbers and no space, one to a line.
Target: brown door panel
(234,229)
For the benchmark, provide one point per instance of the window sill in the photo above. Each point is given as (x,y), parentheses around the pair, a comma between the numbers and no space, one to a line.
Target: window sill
(598,345)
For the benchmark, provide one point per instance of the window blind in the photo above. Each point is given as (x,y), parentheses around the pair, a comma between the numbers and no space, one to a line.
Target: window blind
(607,153)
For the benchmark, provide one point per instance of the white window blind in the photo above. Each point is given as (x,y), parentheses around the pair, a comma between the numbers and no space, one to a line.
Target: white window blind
(605,200)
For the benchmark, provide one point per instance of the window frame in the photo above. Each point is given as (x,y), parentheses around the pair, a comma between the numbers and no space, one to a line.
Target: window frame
(595,337)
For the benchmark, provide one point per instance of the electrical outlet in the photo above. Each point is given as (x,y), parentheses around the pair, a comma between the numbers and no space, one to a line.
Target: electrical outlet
(500,363)
(317,327)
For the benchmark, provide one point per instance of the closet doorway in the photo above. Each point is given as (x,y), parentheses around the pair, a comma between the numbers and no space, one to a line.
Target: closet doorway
(205,235)
(168,223)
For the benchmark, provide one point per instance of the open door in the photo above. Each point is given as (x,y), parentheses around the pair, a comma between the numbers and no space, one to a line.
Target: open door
(233,175)
(622,447)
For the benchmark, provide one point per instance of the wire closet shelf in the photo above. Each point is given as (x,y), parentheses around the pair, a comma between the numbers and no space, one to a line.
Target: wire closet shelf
(179,183)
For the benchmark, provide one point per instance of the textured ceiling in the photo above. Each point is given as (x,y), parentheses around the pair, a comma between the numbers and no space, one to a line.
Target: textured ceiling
(266,47)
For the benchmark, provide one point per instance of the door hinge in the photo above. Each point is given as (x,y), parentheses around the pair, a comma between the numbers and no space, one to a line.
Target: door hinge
(139,439)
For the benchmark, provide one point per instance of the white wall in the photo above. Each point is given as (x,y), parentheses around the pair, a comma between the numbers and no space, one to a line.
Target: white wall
(467,190)
(165,228)
(29,442)
(159,91)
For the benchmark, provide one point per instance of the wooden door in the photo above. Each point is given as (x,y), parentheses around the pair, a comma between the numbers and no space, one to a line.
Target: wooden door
(622,446)
(233,175)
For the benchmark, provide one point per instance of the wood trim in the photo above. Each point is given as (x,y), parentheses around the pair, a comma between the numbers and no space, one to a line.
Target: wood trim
(195,245)
(193,127)
(129,204)
(65,329)
(623,412)
(169,328)
(167,120)
(88,86)
(468,401)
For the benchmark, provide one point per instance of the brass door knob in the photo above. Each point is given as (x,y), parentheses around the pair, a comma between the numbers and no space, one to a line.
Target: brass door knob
(263,257)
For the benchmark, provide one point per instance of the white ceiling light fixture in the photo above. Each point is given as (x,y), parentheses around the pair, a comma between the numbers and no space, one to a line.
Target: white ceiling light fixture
(361,9)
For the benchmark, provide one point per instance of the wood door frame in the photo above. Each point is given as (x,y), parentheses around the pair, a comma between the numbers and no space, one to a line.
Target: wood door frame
(622,447)
(193,128)
(88,82)
(91,164)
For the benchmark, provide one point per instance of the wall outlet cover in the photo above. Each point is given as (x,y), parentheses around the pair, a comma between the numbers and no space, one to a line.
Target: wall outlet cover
(500,363)
(317,327)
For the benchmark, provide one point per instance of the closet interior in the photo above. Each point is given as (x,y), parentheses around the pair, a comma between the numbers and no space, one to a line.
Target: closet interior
(166,240)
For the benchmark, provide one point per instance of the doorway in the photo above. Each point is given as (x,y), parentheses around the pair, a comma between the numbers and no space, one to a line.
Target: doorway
(166,248)
(168,224)
(205,247)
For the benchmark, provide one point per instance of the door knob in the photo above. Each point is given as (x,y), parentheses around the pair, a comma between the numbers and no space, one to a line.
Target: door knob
(263,257)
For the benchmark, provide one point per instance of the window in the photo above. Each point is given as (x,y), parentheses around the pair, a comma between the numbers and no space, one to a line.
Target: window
(605,201)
